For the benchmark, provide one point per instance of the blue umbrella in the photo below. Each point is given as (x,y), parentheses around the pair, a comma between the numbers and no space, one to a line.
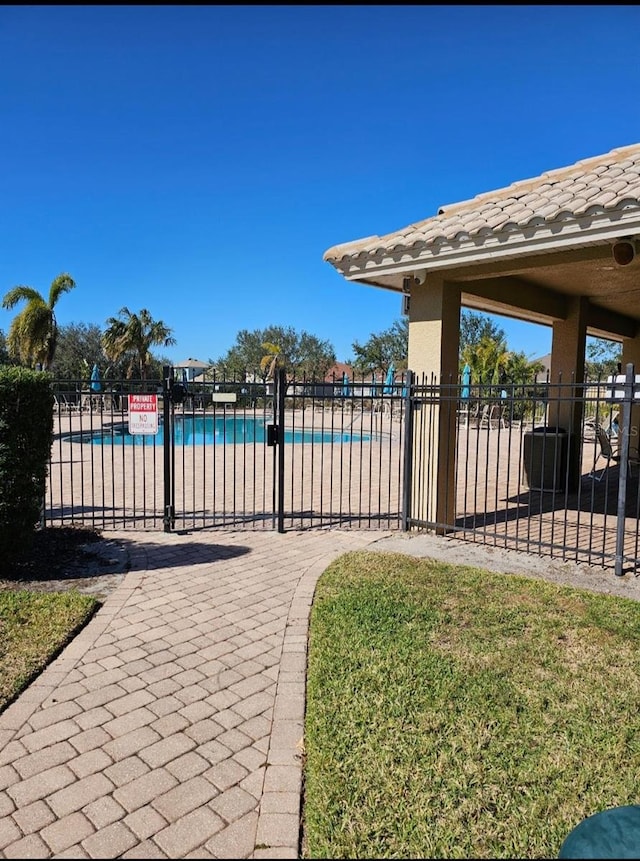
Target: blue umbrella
(96,385)
(345,385)
(388,380)
(466,382)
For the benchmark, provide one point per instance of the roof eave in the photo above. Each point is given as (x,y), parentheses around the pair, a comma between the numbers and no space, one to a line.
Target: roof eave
(515,243)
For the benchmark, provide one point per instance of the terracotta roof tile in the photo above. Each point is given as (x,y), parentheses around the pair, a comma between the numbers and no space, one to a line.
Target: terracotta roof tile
(548,211)
(591,186)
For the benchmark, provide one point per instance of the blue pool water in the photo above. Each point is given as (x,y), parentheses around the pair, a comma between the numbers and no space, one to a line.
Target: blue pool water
(213,430)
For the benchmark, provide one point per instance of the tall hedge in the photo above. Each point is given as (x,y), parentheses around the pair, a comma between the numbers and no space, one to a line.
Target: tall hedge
(26,436)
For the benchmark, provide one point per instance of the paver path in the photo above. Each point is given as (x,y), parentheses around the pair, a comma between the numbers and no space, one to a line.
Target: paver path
(171,726)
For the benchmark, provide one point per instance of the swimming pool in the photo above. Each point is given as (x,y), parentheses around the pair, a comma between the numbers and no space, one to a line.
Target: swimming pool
(214,430)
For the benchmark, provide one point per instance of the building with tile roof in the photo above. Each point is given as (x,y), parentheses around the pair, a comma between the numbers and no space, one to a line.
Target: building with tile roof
(584,208)
(559,249)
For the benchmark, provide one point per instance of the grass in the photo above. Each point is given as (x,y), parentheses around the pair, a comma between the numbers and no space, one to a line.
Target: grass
(457,713)
(34,628)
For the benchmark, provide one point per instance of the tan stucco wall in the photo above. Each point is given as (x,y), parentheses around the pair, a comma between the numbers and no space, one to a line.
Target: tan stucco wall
(567,365)
(434,336)
(434,328)
(568,342)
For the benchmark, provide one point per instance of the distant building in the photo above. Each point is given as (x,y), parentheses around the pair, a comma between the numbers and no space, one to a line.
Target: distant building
(333,381)
(545,374)
(336,372)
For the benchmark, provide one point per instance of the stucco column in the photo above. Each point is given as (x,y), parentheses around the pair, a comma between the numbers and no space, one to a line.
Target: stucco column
(566,409)
(434,337)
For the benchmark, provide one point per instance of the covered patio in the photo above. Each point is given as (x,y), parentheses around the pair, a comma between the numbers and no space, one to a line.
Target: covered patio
(557,249)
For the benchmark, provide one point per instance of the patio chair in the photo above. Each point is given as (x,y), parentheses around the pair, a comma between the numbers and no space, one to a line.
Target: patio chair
(483,417)
(591,424)
(606,450)
(64,405)
(492,417)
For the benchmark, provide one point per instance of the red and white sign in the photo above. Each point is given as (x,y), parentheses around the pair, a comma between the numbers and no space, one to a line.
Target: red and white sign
(143,414)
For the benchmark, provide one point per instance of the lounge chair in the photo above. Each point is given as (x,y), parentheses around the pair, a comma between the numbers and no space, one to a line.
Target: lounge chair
(492,417)
(64,405)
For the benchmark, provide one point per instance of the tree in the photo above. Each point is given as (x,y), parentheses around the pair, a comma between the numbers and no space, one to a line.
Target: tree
(389,347)
(314,357)
(157,363)
(79,348)
(487,359)
(483,346)
(258,350)
(269,362)
(33,334)
(521,370)
(4,353)
(129,338)
(475,327)
(602,358)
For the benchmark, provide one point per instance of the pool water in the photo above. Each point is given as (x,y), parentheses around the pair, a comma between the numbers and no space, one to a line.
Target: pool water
(213,430)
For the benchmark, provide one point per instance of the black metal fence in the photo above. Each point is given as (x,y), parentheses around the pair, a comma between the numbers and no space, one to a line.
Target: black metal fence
(229,452)
(550,468)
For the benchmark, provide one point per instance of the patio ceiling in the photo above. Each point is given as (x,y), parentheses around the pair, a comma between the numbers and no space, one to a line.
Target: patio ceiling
(524,250)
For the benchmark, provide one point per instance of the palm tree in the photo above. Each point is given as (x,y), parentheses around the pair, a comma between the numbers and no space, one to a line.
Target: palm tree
(33,334)
(487,359)
(131,336)
(269,362)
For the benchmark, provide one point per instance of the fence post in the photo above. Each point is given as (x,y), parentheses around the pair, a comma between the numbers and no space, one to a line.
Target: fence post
(280,394)
(167,381)
(625,431)
(407,454)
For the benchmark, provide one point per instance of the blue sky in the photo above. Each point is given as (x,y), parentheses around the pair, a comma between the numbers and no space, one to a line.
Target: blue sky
(198,161)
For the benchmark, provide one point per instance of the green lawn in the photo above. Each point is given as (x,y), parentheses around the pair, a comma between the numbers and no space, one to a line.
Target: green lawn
(457,713)
(34,628)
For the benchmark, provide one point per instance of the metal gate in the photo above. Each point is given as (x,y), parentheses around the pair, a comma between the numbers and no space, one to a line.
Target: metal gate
(240,453)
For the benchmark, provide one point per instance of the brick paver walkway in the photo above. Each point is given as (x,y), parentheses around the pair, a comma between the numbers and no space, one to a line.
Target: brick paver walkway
(171,726)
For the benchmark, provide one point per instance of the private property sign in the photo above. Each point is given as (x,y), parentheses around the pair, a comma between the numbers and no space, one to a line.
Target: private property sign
(143,414)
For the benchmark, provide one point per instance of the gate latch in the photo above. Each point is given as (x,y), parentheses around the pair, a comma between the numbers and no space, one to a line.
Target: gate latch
(177,393)
(272,435)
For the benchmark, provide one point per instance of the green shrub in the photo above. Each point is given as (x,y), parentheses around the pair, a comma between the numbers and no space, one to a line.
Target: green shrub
(26,435)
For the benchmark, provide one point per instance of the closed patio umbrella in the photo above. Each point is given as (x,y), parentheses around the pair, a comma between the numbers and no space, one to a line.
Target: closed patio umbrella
(465,391)
(345,385)
(466,381)
(388,380)
(96,383)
